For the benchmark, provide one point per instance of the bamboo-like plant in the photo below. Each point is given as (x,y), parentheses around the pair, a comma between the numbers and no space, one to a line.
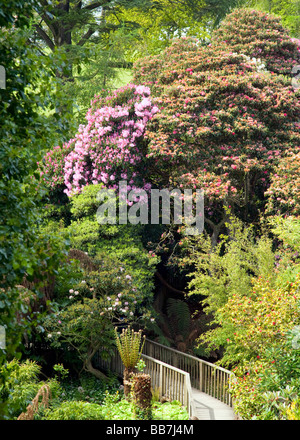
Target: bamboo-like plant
(130,346)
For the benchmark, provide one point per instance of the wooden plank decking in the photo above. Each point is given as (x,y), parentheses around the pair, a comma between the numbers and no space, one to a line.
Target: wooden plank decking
(209,408)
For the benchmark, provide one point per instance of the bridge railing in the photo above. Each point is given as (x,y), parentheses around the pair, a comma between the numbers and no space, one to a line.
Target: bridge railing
(204,376)
(175,373)
(170,381)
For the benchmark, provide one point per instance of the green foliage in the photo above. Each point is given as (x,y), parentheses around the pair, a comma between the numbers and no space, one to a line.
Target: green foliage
(25,132)
(118,244)
(288,11)
(293,412)
(101,296)
(140,365)
(283,194)
(269,389)
(263,37)
(88,387)
(218,127)
(287,229)
(179,317)
(22,385)
(84,326)
(249,324)
(230,266)
(74,410)
(117,408)
(130,346)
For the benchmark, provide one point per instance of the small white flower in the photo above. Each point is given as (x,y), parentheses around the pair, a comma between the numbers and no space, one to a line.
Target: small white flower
(58,333)
(71,291)
(76,292)
(70,297)
(83,282)
(49,335)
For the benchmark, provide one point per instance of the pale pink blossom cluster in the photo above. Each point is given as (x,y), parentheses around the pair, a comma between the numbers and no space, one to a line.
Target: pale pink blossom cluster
(109,146)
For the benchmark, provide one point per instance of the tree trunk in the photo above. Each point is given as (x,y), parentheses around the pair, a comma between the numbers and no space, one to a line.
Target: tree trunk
(127,381)
(89,367)
(142,396)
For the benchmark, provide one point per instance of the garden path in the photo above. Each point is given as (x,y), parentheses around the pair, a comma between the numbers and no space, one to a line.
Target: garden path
(209,408)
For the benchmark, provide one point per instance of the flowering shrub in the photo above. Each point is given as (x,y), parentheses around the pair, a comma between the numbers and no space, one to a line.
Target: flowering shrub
(260,336)
(85,318)
(108,148)
(263,37)
(284,192)
(251,323)
(51,168)
(223,123)
(268,387)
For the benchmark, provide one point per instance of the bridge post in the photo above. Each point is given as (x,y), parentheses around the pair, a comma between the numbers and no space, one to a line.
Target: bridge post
(201,376)
(160,380)
(185,393)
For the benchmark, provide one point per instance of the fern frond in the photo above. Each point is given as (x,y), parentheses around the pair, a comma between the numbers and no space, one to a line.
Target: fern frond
(179,315)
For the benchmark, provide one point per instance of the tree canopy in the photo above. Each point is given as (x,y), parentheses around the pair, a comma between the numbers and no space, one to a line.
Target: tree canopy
(224,119)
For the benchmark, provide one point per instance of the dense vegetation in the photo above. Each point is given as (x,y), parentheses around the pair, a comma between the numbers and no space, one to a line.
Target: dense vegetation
(211,105)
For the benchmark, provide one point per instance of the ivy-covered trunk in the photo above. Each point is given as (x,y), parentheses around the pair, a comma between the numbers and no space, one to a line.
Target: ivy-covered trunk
(142,396)
(127,381)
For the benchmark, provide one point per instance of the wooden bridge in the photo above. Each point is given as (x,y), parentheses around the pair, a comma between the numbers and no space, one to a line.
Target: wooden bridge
(202,387)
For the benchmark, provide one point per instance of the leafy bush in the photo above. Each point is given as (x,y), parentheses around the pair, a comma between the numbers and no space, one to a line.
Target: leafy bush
(283,195)
(267,388)
(74,410)
(223,121)
(249,324)
(229,267)
(22,384)
(263,37)
(117,408)
(109,148)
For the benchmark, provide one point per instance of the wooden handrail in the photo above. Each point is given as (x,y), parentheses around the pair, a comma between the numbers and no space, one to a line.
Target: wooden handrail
(173,383)
(176,381)
(204,376)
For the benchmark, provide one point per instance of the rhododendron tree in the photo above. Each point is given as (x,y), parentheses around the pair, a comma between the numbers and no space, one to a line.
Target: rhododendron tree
(258,35)
(110,147)
(224,123)
(105,295)
(284,191)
